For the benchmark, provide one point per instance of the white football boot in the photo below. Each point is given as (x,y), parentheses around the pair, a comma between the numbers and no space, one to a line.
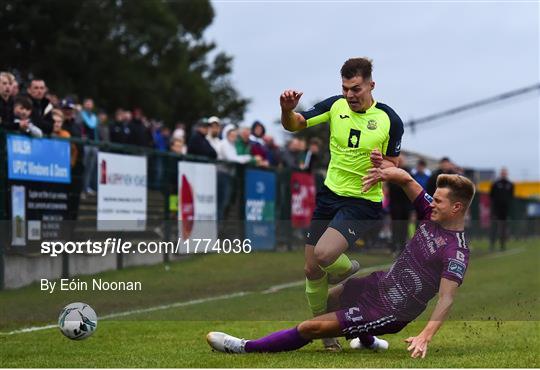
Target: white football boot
(377,346)
(225,343)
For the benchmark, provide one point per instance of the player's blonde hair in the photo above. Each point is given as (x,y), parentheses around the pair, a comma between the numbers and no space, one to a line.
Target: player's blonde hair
(461,188)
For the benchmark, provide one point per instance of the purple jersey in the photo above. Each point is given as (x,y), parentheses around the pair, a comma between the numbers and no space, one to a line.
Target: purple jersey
(433,253)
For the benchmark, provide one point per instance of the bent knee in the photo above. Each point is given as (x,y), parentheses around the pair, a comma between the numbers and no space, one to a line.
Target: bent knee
(310,329)
(324,257)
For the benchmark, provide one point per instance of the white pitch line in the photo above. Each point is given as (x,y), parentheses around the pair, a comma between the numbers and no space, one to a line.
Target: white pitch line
(137,311)
(508,252)
(272,289)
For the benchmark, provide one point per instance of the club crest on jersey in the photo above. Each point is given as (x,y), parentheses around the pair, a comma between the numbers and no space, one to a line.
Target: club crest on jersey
(354,138)
(372,124)
(440,242)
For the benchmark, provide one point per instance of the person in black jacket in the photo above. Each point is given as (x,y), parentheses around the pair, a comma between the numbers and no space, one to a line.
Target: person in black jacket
(42,111)
(120,130)
(6,102)
(198,145)
(502,196)
(445,167)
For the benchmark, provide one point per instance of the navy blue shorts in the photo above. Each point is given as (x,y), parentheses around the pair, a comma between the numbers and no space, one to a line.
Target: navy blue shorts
(352,217)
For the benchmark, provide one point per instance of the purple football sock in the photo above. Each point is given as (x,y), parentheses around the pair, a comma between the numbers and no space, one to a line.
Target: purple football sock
(367,340)
(284,340)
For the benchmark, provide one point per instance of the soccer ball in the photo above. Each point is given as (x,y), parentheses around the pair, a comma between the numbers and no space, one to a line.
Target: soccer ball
(77,321)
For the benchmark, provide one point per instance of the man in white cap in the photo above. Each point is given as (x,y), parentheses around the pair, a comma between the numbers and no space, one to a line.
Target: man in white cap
(213,132)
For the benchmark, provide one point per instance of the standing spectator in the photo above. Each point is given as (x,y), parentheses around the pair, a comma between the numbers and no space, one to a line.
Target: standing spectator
(227,149)
(103,127)
(213,132)
(42,107)
(421,173)
(6,101)
(312,158)
(291,155)
(274,153)
(89,120)
(178,146)
(400,208)
(120,130)
(256,141)
(198,145)
(14,86)
(445,167)
(502,196)
(72,126)
(161,137)
(179,131)
(242,142)
(140,131)
(59,131)
(22,111)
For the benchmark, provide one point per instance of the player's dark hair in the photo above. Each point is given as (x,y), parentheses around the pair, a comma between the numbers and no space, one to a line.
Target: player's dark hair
(24,101)
(357,67)
(461,188)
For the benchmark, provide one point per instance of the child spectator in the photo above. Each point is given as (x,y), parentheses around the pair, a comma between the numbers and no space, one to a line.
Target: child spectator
(22,110)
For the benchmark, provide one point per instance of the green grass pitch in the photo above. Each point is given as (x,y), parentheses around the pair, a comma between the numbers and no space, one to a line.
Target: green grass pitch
(494,323)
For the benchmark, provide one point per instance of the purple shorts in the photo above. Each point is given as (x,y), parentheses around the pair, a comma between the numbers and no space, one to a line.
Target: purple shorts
(362,312)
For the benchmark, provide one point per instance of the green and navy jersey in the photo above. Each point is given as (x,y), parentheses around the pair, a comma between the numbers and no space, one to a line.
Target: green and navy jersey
(353,135)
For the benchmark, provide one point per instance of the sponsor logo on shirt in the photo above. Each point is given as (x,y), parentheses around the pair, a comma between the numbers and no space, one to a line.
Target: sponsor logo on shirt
(457,268)
(440,242)
(354,138)
(428,198)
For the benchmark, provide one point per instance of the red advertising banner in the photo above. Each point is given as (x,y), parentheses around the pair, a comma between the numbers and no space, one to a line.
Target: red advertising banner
(302,199)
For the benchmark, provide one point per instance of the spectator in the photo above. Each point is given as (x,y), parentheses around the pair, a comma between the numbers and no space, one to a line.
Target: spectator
(6,101)
(120,130)
(71,125)
(291,155)
(502,196)
(312,158)
(273,150)
(213,132)
(14,86)
(421,173)
(140,131)
(227,149)
(445,167)
(59,131)
(161,136)
(179,131)
(400,208)
(258,148)
(22,112)
(103,127)
(198,145)
(89,120)
(55,101)
(42,107)
(178,146)
(242,142)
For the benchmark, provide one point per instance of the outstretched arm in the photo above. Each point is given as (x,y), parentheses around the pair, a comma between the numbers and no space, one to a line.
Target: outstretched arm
(291,120)
(418,345)
(394,175)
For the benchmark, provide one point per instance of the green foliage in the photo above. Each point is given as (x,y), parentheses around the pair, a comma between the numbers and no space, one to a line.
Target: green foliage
(129,53)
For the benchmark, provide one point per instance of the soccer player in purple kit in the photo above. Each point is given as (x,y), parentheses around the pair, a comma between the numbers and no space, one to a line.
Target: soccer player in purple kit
(434,261)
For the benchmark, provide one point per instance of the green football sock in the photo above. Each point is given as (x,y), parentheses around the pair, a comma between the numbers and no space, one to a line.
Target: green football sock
(340,266)
(317,295)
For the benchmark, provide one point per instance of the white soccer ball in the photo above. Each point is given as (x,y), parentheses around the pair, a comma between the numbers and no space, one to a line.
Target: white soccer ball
(77,321)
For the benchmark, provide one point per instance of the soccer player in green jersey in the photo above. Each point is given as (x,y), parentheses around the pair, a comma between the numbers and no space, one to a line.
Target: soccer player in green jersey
(358,125)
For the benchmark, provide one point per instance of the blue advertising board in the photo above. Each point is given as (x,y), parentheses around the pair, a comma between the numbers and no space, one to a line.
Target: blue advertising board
(43,160)
(260,194)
